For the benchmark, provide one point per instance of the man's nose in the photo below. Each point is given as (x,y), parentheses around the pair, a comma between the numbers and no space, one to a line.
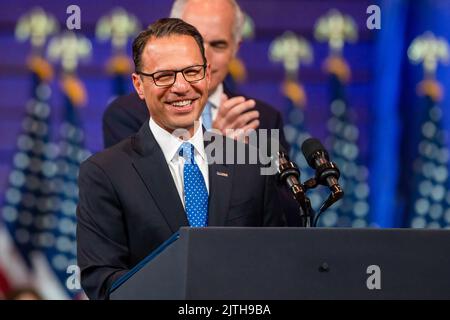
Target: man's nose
(180,83)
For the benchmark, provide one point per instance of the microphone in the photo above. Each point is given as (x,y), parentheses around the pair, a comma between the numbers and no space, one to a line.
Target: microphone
(327,173)
(289,175)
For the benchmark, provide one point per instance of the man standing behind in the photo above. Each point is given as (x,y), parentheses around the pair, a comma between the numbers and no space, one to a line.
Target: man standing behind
(220,23)
(136,194)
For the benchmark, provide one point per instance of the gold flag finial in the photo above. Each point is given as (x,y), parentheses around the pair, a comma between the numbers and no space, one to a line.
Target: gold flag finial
(292,51)
(36,25)
(335,28)
(69,48)
(429,50)
(118,26)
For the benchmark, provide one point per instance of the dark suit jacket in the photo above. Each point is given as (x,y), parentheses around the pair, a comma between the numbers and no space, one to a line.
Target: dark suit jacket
(126,114)
(129,205)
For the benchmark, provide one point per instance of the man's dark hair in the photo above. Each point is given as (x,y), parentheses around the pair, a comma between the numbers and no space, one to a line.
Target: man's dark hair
(163,28)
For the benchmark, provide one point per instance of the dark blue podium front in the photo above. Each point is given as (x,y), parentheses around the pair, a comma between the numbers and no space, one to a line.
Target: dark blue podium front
(293,263)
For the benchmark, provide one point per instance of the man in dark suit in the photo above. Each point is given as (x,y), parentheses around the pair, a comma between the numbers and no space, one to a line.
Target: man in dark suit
(136,194)
(220,23)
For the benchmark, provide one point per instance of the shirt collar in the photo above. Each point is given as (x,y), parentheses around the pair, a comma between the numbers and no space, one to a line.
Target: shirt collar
(170,145)
(216,96)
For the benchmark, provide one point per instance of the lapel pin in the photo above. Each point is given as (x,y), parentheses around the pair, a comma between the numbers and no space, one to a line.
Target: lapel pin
(222,174)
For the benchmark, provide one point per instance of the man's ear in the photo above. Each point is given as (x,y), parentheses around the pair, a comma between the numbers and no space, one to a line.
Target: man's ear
(138,85)
(208,73)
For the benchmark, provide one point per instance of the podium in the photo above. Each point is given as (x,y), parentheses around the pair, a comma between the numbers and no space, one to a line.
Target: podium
(223,263)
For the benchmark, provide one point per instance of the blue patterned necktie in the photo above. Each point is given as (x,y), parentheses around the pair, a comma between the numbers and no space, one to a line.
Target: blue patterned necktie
(195,192)
(207,116)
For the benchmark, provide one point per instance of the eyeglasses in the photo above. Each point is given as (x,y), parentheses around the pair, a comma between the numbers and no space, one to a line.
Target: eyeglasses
(167,78)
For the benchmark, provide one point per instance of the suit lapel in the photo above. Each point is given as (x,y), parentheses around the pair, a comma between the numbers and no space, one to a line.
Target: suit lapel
(228,92)
(151,165)
(220,183)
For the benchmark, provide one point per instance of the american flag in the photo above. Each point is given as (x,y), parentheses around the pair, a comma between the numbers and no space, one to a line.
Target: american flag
(353,209)
(4,284)
(296,133)
(65,194)
(430,205)
(29,209)
(40,202)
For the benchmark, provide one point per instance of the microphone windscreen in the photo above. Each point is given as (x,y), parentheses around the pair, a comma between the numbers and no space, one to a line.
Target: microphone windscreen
(310,147)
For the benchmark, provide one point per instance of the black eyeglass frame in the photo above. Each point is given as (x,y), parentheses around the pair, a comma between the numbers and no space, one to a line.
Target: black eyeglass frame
(152,75)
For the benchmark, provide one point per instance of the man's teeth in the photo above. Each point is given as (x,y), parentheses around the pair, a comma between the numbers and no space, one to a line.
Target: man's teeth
(182,103)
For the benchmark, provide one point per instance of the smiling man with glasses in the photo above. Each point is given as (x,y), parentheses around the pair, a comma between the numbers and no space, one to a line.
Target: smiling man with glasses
(138,193)
(220,23)
(172,76)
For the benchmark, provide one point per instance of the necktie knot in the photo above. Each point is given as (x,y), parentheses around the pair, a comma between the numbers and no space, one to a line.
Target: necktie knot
(187,152)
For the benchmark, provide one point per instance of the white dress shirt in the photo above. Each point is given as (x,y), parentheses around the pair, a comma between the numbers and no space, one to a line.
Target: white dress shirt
(170,146)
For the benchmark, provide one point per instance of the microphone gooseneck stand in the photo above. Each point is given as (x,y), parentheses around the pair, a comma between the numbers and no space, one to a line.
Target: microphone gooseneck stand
(289,175)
